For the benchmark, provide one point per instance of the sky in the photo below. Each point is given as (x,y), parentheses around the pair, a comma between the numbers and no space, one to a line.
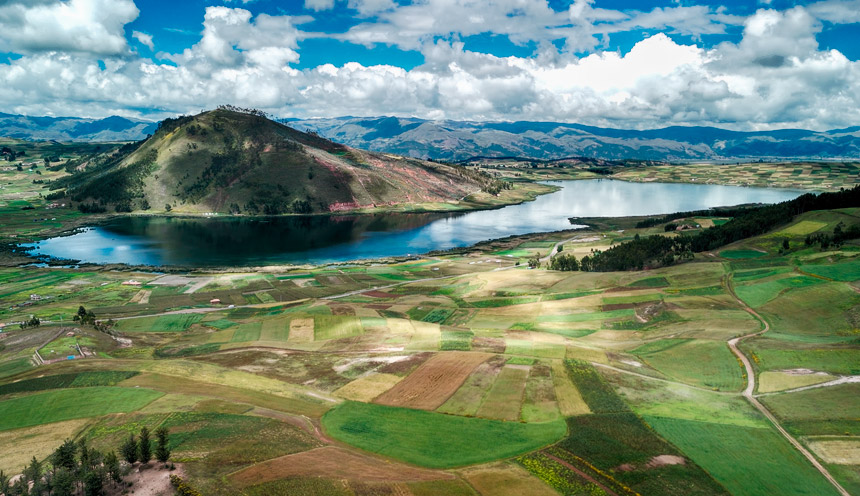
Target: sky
(746,65)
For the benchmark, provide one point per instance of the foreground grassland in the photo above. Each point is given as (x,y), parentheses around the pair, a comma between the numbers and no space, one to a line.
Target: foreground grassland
(459,374)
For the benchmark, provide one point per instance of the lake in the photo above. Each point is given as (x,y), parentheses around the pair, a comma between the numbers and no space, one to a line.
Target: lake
(237,241)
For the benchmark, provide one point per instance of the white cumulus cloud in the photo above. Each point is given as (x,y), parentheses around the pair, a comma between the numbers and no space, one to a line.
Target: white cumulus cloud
(94,26)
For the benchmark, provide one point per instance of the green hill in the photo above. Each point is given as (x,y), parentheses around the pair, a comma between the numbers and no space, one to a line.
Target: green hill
(229,161)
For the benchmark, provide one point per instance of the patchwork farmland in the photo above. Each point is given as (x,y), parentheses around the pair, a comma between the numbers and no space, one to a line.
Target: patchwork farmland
(457,377)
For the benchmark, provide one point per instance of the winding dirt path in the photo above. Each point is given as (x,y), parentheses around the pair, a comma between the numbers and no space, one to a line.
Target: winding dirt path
(748,392)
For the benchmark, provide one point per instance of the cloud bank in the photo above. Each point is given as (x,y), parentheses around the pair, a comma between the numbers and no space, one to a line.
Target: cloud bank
(75,59)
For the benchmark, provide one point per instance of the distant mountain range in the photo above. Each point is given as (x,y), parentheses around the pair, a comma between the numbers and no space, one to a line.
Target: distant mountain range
(455,140)
(112,128)
(452,140)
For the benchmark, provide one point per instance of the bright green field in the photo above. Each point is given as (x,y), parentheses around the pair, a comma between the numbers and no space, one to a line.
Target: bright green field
(164,323)
(15,366)
(67,404)
(748,461)
(698,362)
(737,254)
(848,271)
(434,439)
(758,294)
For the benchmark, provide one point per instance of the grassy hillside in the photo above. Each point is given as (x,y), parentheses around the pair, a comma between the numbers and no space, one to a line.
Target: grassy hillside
(233,162)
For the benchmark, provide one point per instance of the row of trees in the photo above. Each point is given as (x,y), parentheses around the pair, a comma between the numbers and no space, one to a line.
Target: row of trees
(76,469)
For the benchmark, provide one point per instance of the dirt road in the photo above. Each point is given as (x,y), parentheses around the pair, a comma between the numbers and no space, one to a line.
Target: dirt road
(748,392)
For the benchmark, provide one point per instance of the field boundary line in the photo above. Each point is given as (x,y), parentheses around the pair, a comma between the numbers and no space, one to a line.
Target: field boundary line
(643,376)
(748,392)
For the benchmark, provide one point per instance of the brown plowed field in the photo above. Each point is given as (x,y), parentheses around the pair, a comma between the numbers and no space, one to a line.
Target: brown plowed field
(434,381)
(333,463)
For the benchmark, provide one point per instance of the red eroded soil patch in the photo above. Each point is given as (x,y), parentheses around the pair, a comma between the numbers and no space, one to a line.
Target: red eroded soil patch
(434,381)
(333,463)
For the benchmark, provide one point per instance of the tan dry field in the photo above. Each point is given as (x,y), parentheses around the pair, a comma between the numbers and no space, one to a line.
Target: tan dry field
(368,387)
(505,479)
(779,380)
(301,330)
(332,463)
(20,445)
(838,451)
(569,400)
(434,381)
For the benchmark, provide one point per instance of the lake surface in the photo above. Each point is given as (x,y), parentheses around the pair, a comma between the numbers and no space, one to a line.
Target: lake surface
(322,239)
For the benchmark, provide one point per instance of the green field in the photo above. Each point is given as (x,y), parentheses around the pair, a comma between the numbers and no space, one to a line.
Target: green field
(433,439)
(66,404)
(741,254)
(748,461)
(847,271)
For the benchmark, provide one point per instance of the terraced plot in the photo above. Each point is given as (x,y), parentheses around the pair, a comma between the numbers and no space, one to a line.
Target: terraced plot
(432,383)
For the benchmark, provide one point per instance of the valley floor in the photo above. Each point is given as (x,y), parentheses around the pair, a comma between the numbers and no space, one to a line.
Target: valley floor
(460,374)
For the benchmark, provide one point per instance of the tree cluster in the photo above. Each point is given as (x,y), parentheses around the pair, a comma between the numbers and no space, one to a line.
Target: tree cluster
(72,469)
(33,322)
(564,263)
(840,235)
(84,316)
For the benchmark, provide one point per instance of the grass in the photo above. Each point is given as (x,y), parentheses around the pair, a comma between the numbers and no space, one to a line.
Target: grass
(68,404)
(435,440)
(164,323)
(847,271)
(506,394)
(748,461)
(15,366)
(698,362)
(335,327)
(61,381)
(756,295)
(649,282)
(247,332)
(840,402)
(741,254)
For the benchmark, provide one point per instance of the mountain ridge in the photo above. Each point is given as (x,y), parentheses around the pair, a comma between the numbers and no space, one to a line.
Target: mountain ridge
(462,140)
(226,161)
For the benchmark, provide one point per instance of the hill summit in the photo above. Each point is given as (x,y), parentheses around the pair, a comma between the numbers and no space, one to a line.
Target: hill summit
(232,161)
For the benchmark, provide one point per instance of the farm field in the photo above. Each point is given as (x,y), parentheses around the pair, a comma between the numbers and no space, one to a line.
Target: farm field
(456,377)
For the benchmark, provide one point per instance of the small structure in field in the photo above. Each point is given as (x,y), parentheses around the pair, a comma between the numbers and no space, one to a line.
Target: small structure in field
(215,301)
(132,282)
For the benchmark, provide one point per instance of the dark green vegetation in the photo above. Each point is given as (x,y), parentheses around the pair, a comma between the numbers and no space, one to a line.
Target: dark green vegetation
(434,439)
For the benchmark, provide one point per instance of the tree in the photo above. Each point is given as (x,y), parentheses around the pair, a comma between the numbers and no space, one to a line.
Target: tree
(63,482)
(145,447)
(534,262)
(94,483)
(785,245)
(64,455)
(167,207)
(33,472)
(162,450)
(129,449)
(112,466)
(4,482)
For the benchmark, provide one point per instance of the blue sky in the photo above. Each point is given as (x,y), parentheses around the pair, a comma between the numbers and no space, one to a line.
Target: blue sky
(635,64)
